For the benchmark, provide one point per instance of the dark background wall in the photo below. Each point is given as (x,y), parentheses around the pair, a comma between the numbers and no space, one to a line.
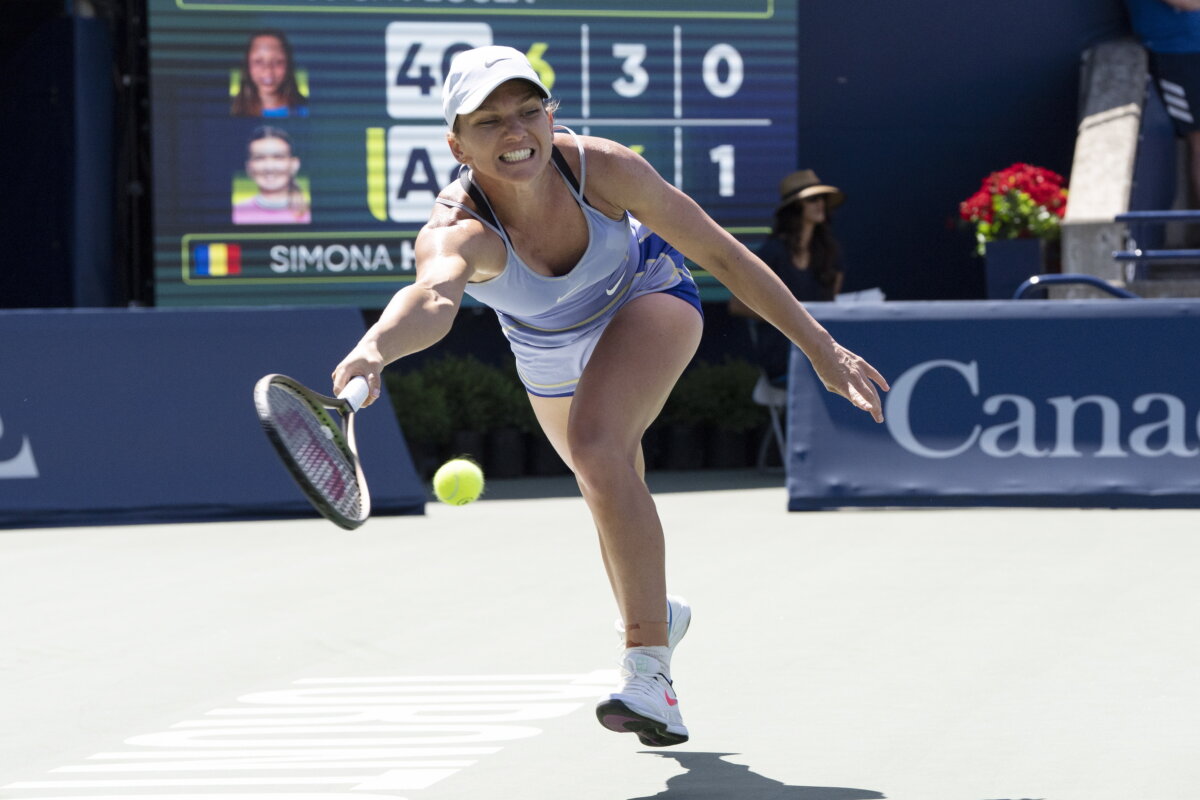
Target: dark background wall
(59,83)
(905,106)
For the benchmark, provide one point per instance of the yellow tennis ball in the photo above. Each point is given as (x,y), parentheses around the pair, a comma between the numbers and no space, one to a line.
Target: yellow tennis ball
(459,481)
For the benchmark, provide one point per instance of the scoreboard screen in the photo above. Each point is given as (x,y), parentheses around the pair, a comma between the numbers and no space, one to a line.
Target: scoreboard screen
(298,145)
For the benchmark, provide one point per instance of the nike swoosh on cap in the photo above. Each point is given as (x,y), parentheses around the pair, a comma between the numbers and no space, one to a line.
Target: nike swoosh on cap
(495,61)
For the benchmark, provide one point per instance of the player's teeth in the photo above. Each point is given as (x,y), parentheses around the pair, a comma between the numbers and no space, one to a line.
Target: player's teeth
(518,155)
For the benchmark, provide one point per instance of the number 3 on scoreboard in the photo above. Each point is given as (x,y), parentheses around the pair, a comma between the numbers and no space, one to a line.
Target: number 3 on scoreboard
(418,55)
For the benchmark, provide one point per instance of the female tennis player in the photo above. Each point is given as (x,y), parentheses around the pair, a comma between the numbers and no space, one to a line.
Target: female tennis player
(579,245)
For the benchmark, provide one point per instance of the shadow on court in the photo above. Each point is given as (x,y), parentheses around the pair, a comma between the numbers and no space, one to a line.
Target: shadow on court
(708,775)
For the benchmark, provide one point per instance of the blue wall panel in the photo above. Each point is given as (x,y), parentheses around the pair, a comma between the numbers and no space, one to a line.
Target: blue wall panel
(143,416)
(1042,403)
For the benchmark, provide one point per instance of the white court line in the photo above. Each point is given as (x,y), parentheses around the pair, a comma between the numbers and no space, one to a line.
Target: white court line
(299,730)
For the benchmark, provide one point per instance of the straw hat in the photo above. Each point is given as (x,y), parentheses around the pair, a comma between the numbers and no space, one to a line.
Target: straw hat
(804,183)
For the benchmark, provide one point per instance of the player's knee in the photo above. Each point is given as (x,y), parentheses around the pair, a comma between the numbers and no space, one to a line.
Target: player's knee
(599,459)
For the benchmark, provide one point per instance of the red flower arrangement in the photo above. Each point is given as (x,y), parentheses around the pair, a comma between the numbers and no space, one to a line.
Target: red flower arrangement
(1021,202)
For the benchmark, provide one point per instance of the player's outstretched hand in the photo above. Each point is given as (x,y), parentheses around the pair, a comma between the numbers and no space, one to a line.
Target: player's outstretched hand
(363,360)
(849,375)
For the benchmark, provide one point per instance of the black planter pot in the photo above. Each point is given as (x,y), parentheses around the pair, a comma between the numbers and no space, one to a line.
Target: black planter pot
(654,447)
(541,458)
(505,456)
(684,448)
(1009,263)
(727,449)
(425,459)
(468,444)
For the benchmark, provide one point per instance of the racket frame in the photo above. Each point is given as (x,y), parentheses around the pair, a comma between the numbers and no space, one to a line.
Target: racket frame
(345,405)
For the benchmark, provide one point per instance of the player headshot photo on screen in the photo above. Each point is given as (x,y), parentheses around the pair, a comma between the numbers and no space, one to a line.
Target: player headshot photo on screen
(268,84)
(271,192)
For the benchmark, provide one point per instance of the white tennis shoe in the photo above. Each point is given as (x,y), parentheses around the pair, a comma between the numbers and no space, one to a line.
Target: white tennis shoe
(679,619)
(646,703)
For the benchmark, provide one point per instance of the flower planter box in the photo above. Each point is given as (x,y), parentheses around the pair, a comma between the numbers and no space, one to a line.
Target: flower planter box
(1011,262)
(1022,201)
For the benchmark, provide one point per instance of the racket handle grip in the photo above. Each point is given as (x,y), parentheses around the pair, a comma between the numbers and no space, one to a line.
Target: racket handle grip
(355,392)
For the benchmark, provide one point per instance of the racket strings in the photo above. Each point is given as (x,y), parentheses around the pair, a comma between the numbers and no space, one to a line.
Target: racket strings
(312,438)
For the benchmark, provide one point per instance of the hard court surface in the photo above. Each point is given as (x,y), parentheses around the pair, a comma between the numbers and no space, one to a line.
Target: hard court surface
(975,654)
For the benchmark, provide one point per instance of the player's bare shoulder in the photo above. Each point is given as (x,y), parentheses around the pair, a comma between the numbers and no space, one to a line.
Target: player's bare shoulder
(453,232)
(600,153)
(612,170)
(449,214)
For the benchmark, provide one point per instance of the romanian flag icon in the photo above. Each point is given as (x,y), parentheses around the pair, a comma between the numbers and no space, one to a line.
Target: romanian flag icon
(218,259)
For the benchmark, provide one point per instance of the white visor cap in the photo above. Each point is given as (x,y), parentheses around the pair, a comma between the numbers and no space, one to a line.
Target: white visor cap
(474,74)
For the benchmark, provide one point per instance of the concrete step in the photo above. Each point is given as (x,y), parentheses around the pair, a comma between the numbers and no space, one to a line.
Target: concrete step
(1176,286)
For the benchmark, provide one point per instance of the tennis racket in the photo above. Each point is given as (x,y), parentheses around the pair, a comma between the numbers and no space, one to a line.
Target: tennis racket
(318,452)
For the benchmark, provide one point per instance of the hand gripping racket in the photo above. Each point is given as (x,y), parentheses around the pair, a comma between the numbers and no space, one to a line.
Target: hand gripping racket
(318,452)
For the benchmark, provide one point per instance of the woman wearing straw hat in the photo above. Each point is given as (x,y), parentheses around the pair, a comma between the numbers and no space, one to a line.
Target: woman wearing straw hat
(803,252)
(578,245)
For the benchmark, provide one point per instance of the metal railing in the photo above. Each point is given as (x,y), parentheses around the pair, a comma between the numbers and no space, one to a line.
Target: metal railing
(1038,281)
(1135,255)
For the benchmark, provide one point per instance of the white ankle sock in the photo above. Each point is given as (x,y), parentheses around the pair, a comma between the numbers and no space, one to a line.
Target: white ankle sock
(659,653)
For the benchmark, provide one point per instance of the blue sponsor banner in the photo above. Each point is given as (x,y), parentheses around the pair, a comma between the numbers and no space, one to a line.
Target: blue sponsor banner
(1038,403)
(113,416)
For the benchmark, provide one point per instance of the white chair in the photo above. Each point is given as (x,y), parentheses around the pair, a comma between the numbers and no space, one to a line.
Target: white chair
(774,399)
